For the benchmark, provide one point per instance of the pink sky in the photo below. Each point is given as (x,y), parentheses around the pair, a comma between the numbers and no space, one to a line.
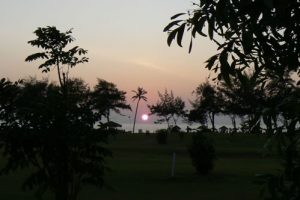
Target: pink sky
(125,41)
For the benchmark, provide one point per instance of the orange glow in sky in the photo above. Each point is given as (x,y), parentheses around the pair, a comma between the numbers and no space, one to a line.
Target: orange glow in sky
(125,42)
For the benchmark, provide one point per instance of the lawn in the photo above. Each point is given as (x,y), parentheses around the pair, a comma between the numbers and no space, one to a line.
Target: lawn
(141,169)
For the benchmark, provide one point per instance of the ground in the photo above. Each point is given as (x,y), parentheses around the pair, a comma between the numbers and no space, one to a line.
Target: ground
(141,169)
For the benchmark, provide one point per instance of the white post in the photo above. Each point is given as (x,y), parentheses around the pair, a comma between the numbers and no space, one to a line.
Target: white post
(173,164)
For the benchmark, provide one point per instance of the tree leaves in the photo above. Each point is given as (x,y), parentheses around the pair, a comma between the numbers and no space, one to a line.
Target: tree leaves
(180,34)
(225,68)
(170,25)
(107,97)
(263,30)
(53,135)
(36,56)
(211,61)
(168,107)
(176,32)
(211,27)
(54,42)
(177,15)
(258,41)
(199,26)
(247,41)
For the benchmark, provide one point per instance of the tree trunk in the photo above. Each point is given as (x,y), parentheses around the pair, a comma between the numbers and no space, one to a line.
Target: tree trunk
(175,120)
(136,109)
(275,121)
(212,121)
(61,189)
(107,116)
(233,123)
(59,75)
(67,189)
(168,123)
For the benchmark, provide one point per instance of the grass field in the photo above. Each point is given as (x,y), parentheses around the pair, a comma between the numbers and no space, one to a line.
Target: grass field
(141,169)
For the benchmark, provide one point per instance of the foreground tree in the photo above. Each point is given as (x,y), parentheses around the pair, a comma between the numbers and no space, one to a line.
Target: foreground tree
(139,94)
(54,136)
(168,108)
(261,37)
(49,128)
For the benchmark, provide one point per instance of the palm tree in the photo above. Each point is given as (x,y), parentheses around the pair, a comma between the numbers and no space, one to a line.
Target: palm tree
(139,94)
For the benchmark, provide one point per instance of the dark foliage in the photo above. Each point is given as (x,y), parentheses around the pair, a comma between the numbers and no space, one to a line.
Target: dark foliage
(168,108)
(259,34)
(53,134)
(50,128)
(54,43)
(162,136)
(207,104)
(106,98)
(260,37)
(202,153)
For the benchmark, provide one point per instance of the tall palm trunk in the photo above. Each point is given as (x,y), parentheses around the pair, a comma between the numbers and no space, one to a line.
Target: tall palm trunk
(136,109)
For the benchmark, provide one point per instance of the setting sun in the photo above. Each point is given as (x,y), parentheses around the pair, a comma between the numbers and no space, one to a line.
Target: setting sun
(145,117)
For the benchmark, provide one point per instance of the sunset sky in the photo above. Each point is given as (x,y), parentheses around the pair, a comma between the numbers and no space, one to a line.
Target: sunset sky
(125,42)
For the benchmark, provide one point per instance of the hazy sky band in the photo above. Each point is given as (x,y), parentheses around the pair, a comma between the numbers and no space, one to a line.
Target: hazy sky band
(125,41)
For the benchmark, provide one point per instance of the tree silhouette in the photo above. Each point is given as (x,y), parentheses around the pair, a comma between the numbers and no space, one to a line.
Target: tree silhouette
(107,97)
(276,91)
(50,128)
(197,115)
(207,101)
(139,94)
(54,42)
(243,98)
(250,35)
(261,37)
(168,108)
(54,136)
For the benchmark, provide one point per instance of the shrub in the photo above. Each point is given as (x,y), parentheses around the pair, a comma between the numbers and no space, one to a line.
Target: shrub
(162,136)
(202,153)
(181,135)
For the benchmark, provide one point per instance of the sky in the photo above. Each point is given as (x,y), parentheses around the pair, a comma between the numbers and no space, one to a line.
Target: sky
(125,42)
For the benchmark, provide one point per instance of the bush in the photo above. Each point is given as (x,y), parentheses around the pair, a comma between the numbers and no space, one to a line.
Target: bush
(162,136)
(202,153)
(181,135)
